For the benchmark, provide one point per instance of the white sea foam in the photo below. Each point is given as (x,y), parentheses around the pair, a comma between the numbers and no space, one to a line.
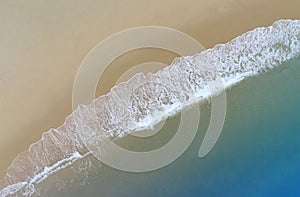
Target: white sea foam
(144,100)
(27,187)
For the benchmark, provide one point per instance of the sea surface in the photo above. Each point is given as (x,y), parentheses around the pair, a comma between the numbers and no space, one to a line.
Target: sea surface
(257,154)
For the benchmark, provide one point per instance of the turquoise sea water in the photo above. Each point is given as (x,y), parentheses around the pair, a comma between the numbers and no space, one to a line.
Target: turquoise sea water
(257,154)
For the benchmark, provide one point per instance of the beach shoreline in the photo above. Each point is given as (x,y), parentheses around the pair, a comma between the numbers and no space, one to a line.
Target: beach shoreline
(40,61)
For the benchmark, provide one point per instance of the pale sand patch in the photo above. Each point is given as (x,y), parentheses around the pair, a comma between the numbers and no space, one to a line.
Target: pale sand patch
(43,44)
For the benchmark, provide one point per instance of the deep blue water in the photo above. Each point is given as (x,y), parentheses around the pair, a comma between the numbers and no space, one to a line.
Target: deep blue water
(258,153)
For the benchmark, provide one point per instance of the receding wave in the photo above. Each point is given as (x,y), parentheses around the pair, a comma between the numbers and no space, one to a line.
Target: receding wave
(145,100)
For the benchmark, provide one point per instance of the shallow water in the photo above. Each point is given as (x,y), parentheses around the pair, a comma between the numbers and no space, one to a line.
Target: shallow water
(257,154)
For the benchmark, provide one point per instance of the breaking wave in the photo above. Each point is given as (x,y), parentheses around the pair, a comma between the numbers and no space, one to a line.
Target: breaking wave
(145,100)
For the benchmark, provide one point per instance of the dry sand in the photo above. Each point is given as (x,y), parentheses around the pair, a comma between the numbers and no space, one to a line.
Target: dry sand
(43,43)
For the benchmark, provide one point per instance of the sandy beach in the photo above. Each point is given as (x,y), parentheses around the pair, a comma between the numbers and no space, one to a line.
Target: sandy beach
(43,43)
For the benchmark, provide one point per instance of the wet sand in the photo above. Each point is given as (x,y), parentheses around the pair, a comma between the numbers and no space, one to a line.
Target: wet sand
(43,44)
